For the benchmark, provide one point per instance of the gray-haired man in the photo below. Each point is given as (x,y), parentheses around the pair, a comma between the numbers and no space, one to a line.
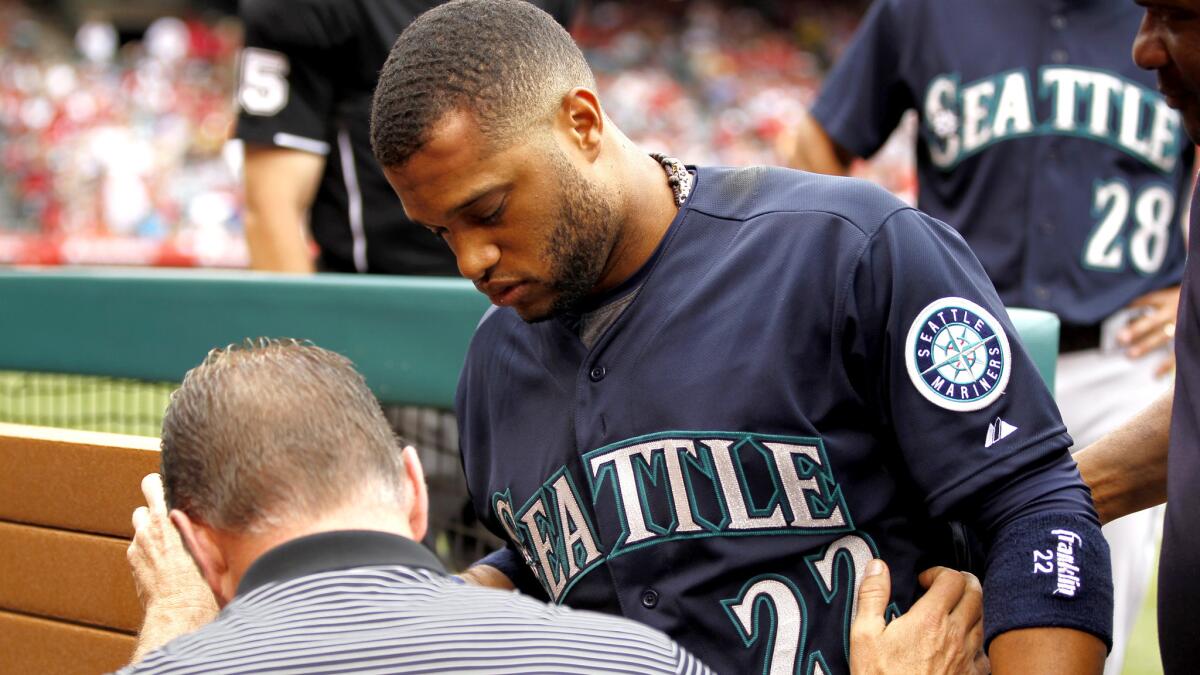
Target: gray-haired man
(300,510)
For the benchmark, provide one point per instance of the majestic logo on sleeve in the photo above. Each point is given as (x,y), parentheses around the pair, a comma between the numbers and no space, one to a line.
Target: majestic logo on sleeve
(957,355)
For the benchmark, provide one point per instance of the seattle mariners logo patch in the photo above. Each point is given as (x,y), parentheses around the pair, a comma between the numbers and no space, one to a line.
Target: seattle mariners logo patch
(957,355)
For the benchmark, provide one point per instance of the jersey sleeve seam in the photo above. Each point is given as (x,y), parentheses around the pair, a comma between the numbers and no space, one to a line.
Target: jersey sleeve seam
(870,234)
(848,285)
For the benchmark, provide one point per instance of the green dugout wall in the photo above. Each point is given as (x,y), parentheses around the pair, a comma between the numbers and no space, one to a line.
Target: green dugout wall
(407,335)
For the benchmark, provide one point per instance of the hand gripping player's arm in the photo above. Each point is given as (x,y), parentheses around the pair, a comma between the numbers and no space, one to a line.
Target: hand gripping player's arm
(942,634)
(982,441)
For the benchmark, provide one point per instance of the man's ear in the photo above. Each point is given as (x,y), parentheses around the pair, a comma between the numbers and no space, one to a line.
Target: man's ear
(200,542)
(581,120)
(416,495)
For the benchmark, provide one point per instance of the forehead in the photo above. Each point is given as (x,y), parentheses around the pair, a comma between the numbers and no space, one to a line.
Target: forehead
(453,165)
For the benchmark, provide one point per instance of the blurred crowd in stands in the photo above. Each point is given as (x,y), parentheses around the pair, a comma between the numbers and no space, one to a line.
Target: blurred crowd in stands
(116,152)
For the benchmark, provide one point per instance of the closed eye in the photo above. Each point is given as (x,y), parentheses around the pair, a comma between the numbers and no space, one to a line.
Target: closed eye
(491,218)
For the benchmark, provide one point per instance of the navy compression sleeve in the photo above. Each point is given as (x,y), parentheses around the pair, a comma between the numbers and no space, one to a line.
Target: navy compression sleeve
(1048,563)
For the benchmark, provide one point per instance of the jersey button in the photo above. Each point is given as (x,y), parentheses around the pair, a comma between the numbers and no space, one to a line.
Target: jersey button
(1058,22)
(598,373)
(649,598)
(1059,56)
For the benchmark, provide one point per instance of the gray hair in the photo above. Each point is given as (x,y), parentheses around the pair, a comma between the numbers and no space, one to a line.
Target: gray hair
(270,430)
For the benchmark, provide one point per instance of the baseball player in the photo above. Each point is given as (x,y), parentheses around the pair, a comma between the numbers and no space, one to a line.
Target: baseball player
(1156,455)
(707,398)
(1066,172)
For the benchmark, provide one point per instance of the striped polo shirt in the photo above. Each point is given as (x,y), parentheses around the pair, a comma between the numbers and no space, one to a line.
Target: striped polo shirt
(372,602)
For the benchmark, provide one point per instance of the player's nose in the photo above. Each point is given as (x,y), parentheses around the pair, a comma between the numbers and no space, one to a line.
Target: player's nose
(1149,50)
(475,254)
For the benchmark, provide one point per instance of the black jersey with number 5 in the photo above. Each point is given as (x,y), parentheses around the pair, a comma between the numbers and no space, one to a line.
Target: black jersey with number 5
(306,79)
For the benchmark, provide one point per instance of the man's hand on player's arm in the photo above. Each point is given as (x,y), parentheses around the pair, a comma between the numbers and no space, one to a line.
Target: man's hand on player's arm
(488,576)
(941,634)
(1155,328)
(175,598)
(280,186)
(1127,469)
(808,147)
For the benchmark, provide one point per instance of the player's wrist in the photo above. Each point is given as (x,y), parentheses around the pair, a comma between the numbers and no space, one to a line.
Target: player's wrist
(1049,570)
(487,576)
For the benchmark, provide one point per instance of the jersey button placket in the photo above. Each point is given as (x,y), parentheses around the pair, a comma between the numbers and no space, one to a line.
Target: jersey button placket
(649,598)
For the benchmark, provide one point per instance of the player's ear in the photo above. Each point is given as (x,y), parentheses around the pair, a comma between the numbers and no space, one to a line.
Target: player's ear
(416,496)
(580,121)
(201,541)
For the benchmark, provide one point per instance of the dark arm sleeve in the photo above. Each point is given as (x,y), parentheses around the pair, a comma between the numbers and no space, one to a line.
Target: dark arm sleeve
(865,94)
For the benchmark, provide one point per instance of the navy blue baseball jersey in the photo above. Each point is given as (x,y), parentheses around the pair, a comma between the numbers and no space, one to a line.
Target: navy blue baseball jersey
(1178,588)
(1040,141)
(808,373)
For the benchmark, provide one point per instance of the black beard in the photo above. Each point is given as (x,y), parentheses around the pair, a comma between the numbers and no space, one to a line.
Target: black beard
(581,243)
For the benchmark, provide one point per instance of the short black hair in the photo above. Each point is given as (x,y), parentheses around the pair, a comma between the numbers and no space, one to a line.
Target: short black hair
(506,62)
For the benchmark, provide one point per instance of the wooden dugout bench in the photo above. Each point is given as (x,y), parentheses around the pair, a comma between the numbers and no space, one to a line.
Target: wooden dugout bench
(67,599)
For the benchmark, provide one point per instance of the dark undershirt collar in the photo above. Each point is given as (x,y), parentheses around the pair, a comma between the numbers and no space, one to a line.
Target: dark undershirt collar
(337,550)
